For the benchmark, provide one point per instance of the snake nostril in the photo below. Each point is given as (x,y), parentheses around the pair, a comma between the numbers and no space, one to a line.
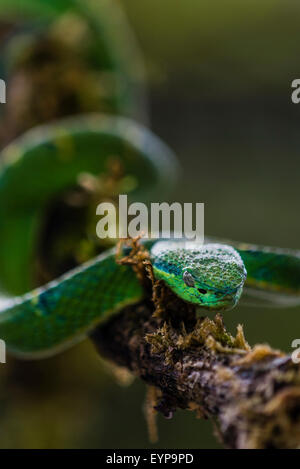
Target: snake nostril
(201,290)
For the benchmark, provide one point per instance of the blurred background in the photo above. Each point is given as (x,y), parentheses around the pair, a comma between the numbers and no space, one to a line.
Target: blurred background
(219,93)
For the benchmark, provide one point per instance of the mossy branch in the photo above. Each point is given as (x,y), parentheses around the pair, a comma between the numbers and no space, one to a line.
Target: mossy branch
(253,395)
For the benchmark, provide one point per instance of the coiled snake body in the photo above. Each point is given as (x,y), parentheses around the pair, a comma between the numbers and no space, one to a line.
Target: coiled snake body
(48,160)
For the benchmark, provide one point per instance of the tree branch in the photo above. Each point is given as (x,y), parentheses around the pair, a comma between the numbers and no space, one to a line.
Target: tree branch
(252,394)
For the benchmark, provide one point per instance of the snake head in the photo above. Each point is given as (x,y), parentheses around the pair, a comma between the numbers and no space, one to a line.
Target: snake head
(211,276)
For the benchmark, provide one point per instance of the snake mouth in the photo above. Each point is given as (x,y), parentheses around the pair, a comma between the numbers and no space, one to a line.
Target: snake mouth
(216,306)
(222,303)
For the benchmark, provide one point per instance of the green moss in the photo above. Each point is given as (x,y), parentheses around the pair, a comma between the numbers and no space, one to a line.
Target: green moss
(210,333)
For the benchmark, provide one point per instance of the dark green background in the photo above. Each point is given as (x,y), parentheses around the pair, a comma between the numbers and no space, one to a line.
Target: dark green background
(220,78)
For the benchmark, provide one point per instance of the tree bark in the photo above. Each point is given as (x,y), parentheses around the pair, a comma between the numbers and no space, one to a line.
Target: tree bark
(253,395)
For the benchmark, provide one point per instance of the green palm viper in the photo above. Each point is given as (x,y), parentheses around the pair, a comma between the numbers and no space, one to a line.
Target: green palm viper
(45,162)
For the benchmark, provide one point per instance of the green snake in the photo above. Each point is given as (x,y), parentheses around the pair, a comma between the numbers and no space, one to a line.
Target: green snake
(40,167)
(47,160)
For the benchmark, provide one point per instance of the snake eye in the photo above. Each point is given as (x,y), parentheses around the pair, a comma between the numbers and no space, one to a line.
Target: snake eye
(201,290)
(188,279)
